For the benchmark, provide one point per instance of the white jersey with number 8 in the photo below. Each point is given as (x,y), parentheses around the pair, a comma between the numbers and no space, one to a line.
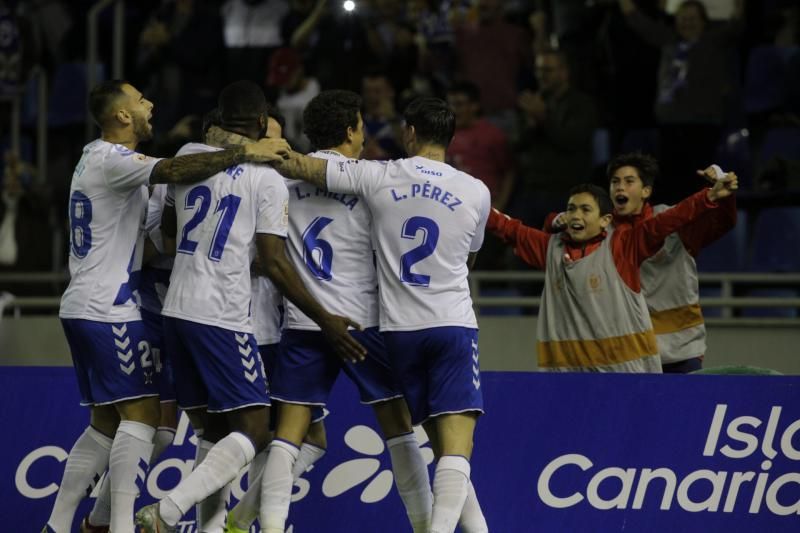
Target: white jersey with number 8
(107,205)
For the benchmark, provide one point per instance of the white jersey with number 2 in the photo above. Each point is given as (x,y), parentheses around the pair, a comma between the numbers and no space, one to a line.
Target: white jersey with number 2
(427,217)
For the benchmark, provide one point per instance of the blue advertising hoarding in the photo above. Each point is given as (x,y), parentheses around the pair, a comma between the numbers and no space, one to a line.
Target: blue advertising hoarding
(554,453)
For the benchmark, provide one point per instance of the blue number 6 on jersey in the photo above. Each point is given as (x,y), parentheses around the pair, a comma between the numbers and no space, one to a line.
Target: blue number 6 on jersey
(430,236)
(319,266)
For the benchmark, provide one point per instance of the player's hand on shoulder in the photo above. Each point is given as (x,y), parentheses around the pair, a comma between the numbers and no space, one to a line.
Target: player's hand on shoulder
(335,329)
(267,150)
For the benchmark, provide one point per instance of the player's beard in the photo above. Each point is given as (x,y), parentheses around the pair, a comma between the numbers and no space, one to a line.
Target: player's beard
(141,128)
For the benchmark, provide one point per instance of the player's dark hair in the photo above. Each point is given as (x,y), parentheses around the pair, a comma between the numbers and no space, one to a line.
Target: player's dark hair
(241,103)
(275,113)
(211,118)
(646,165)
(328,115)
(468,89)
(433,120)
(600,195)
(102,97)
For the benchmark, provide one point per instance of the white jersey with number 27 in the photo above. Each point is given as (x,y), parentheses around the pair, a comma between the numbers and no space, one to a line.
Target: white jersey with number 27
(107,205)
(218,219)
(427,218)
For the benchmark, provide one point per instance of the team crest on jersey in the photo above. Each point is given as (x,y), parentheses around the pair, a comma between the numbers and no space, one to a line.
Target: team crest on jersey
(594,282)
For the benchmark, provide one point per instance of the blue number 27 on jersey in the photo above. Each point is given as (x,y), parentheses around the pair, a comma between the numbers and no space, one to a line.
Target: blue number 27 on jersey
(228,205)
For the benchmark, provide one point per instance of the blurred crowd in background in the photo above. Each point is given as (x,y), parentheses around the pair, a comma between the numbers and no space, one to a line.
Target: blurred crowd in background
(544,92)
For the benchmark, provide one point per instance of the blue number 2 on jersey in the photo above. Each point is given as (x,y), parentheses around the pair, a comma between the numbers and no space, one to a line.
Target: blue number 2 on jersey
(430,236)
(228,205)
(318,253)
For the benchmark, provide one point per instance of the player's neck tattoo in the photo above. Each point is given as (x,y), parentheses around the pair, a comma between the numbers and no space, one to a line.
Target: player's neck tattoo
(216,136)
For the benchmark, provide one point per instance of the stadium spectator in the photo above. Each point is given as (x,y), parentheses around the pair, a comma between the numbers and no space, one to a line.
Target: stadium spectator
(252,30)
(669,278)
(479,148)
(491,53)
(288,74)
(181,56)
(593,316)
(381,120)
(554,148)
(333,41)
(695,86)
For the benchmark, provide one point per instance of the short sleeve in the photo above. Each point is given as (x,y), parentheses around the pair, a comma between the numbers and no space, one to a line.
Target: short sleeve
(484,205)
(125,170)
(354,176)
(272,200)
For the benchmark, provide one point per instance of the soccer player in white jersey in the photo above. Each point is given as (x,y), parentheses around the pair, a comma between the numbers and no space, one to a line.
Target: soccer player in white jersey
(330,243)
(209,334)
(101,319)
(153,283)
(428,222)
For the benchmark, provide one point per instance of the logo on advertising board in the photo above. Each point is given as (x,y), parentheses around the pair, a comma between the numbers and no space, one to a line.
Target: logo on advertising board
(729,436)
(554,453)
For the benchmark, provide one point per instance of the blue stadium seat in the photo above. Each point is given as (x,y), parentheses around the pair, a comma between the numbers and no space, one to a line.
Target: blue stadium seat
(640,140)
(776,241)
(67,98)
(728,253)
(771,312)
(780,142)
(601,147)
(764,86)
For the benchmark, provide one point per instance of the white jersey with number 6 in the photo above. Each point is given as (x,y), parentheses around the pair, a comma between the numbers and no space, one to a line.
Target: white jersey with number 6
(330,245)
(217,222)
(107,205)
(427,218)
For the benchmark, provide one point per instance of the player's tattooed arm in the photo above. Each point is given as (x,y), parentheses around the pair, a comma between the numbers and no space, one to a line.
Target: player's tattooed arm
(192,168)
(302,167)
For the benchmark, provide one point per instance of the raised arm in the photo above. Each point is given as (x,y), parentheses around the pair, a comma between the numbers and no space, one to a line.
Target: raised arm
(648,29)
(529,244)
(646,239)
(276,266)
(197,167)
